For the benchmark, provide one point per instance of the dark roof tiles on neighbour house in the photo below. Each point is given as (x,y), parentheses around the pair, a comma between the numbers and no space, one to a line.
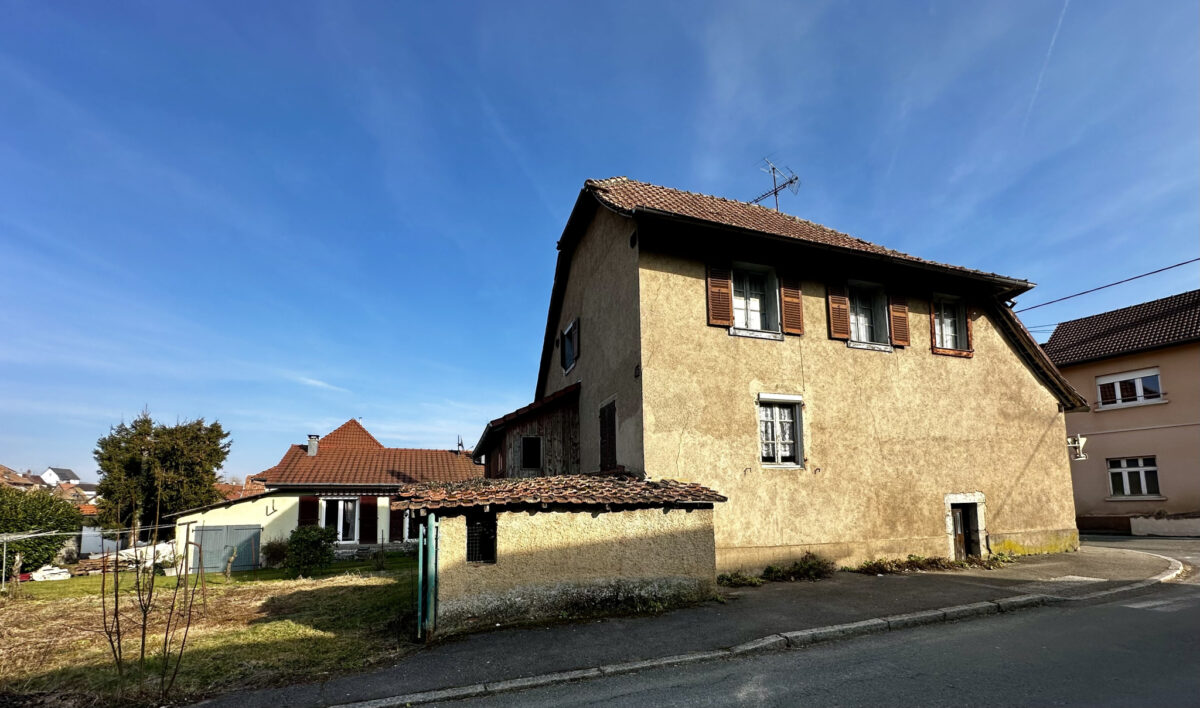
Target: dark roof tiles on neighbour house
(571,490)
(352,456)
(1148,325)
(65,474)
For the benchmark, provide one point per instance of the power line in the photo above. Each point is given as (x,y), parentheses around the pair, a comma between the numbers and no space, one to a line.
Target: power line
(1085,292)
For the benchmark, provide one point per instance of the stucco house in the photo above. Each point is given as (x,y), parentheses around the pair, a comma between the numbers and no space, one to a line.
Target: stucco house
(10,478)
(343,480)
(54,476)
(846,398)
(1140,367)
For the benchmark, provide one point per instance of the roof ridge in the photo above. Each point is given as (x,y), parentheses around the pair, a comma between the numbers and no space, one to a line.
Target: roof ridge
(614,180)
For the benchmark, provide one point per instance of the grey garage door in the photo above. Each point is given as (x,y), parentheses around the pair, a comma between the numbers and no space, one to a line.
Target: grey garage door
(219,542)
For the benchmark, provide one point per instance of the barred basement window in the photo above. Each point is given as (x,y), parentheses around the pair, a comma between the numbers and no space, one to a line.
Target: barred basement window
(481,538)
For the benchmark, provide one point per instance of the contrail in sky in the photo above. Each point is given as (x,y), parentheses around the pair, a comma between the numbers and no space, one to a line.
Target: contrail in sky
(1046,62)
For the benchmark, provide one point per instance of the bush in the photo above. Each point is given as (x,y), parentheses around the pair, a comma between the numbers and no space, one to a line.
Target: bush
(310,548)
(274,553)
(738,579)
(914,563)
(36,510)
(811,567)
(379,559)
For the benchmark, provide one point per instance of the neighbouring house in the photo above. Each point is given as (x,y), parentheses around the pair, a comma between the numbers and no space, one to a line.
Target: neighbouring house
(343,480)
(511,549)
(847,398)
(36,480)
(73,493)
(232,490)
(54,476)
(1140,366)
(10,478)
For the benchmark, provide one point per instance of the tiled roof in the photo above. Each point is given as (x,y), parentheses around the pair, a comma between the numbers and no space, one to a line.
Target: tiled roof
(351,455)
(568,395)
(87,509)
(350,435)
(628,195)
(66,474)
(10,478)
(1158,323)
(582,490)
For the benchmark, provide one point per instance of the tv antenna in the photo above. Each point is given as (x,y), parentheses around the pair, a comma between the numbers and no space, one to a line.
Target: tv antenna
(789,181)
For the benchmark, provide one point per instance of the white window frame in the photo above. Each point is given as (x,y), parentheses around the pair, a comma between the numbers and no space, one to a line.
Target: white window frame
(769,318)
(782,399)
(1137,377)
(1140,469)
(961,339)
(357,516)
(880,322)
(541,453)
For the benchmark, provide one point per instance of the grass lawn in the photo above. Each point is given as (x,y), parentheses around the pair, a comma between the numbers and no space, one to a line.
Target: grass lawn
(247,633)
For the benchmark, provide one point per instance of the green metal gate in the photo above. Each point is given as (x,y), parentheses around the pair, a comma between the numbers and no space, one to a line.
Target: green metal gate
(427,548)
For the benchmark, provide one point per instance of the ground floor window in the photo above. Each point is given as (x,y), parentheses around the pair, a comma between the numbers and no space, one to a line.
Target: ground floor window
(1133,476)
(342,515)
(779,430)
(481,538)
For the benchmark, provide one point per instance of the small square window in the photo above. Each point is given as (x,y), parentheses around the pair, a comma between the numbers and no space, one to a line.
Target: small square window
(531,453)
(481,538)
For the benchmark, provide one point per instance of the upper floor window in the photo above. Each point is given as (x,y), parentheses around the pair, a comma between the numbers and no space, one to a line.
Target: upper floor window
(1133,476)
(531,452)
(950,329)
(868,314)
(569,346)
(1131,388)
(754,300)
(779,430)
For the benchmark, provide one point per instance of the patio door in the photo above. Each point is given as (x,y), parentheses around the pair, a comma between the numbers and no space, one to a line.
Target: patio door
(342,516)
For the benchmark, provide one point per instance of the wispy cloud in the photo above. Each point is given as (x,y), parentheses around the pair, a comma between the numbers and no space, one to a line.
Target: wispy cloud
(317,383)
(1037,88)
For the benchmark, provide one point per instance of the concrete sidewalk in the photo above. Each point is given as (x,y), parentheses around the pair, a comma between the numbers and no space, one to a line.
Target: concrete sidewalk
(748,614)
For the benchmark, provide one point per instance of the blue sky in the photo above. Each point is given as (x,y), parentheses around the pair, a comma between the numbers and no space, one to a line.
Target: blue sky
(284,215)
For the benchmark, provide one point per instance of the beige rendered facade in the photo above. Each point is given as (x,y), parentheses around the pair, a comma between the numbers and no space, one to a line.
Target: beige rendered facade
(1167,429)
(552,560)
(892,437)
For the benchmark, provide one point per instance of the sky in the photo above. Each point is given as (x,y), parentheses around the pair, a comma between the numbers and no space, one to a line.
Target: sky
(282,215)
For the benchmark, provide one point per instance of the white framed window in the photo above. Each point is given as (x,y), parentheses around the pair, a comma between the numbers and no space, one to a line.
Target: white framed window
(780,429)
(1132,388)
(569,346)
(950,323)
(868,314)
(755,300)
(341,515)
(531,452)
(1133,477)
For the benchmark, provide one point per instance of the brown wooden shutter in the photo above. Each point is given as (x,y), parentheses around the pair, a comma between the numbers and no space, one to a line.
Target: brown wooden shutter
(608,436)
(720,297)
(368,521)
(308,511)
(967,313)
(898,314)
(839,311)
(792,306)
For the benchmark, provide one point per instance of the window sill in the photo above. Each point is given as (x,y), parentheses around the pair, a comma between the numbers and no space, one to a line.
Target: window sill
(570,368)
(870,346)
(480,564)
(1133,497)
(783,466)
(961,353)
(756,334)
(1118,406)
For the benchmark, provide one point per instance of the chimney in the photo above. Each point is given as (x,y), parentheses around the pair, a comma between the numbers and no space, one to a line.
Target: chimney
(312,445)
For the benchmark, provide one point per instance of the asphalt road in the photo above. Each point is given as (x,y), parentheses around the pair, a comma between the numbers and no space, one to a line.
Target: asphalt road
(1136,649)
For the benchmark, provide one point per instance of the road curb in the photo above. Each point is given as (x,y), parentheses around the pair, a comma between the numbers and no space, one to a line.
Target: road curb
(782,641)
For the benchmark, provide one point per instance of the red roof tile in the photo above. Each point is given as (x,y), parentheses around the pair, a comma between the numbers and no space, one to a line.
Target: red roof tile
(351,455)
(1149,325)
(628,195)
(582,490)
(87,509)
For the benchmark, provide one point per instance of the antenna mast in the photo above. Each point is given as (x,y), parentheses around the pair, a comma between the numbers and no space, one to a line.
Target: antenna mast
(791,182)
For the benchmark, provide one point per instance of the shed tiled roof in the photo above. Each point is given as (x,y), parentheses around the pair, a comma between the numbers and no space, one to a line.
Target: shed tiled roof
(580,490)
(351,455)
(1150,325)
(628,195)
(88,509)
(568,395)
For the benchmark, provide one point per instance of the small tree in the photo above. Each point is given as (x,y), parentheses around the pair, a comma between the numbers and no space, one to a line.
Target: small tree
(36,510)
(309,548)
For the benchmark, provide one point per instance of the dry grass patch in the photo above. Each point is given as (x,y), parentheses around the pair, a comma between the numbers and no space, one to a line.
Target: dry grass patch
(244,635)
